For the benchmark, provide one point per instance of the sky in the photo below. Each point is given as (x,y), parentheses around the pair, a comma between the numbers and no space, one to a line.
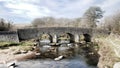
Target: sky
(25,11)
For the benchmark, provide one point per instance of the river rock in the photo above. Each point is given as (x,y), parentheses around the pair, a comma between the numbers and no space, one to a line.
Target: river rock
(16,52)
(23,51)
(58,58)
(11,64)
(37,53)
(116,65)
(66,51)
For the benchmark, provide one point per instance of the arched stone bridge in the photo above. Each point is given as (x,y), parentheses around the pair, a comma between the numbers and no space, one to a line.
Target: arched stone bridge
(25,34)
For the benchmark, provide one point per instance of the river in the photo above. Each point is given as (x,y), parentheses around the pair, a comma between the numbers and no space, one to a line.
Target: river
(50,63)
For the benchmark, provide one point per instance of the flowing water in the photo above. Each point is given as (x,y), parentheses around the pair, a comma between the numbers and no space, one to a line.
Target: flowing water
(76,62)
(49,63)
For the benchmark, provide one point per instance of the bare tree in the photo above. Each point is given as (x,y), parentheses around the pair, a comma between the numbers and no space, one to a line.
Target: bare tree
(112,23)
(5,25)
(56,22)
(38,22)
(91,16)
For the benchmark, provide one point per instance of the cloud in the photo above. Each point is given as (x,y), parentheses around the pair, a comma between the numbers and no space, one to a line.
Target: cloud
(68,8)
(110,6)
(27,10)
(24,10)
(40,8)
(109,3)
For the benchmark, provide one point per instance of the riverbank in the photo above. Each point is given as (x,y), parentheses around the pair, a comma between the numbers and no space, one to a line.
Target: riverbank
(16,51)
(8,55)
(108,46)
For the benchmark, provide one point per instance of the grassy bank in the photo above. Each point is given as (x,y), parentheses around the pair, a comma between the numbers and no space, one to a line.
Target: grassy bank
(107,47)
(26,45)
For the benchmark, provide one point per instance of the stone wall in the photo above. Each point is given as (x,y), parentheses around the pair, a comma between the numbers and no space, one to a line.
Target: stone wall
(25,34)
(8,36)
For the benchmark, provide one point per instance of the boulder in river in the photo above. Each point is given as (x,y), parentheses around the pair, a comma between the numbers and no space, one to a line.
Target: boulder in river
(59,58)
(116,65)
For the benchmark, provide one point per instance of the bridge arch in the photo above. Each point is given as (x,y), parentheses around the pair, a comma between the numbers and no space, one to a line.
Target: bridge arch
(87,37)
(45,38)
(72,37)
(66,37)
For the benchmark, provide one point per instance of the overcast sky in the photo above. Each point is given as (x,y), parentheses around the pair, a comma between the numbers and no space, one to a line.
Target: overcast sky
(24,11)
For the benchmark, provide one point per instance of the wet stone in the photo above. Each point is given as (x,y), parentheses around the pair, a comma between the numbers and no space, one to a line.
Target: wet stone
(66,51)
(48,51)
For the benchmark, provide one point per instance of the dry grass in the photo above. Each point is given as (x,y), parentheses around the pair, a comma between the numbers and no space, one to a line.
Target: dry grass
(106,51)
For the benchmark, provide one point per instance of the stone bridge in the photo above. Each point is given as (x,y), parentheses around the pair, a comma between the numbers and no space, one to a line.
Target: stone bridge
(31,33)
(74,33)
